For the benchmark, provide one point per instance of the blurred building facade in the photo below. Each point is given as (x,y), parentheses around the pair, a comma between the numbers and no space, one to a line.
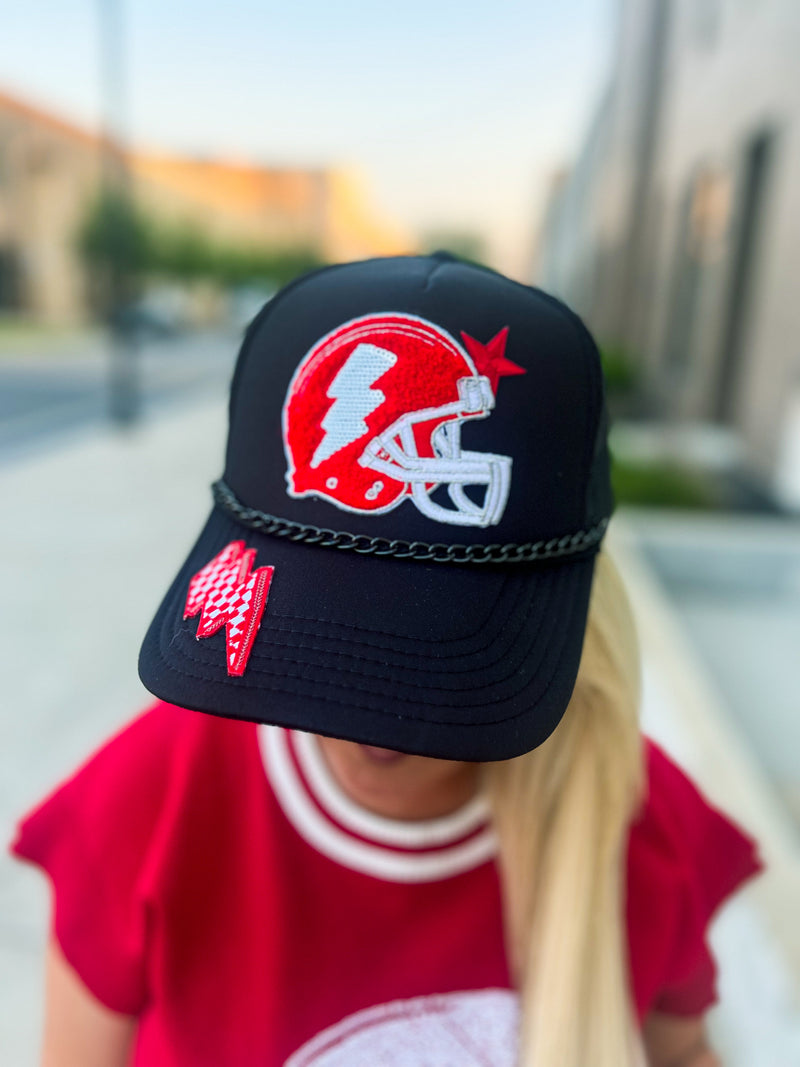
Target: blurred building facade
(50,170)
(677,232)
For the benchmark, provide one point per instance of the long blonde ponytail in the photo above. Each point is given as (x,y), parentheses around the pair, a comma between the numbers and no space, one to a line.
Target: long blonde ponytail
(562,814)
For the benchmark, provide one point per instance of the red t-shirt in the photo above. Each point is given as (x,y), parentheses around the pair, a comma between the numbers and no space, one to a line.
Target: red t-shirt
(211,878)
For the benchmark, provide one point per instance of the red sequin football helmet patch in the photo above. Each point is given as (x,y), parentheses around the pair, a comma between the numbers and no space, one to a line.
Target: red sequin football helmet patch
(373,416)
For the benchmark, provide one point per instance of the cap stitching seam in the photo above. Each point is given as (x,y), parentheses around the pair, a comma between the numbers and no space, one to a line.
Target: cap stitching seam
(481,626)
(384,677)
(373,710)
(184,653)
(391,634)
(501,638)
(382,646)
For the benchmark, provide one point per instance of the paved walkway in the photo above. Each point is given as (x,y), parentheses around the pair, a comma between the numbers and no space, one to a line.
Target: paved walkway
(94,532)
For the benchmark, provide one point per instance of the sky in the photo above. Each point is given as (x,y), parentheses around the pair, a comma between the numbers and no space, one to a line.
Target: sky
(456,113)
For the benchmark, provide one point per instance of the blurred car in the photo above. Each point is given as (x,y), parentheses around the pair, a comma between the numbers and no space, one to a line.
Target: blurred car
(157,315)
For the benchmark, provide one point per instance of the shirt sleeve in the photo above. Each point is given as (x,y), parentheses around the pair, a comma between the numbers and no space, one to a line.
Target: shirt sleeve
(712,858)
(94,836)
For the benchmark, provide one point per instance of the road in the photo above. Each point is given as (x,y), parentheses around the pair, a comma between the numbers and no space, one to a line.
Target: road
(47,396)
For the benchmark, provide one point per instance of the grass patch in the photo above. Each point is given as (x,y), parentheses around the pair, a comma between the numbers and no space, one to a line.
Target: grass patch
(19,335)
(663,485)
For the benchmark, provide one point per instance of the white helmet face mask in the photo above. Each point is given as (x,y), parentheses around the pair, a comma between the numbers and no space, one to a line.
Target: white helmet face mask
(373,417)
(395,454)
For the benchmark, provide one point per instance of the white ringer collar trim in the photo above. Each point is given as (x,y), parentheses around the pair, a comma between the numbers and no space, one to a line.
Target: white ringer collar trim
(378,856)
(428,833)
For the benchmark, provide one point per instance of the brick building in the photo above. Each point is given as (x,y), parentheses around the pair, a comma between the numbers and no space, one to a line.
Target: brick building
(51,169)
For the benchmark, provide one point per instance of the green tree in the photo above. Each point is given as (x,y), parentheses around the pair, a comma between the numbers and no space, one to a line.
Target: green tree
(121,246)
(114,243)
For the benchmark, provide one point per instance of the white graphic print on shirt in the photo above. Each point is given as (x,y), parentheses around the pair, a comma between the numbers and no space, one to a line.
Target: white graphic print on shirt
(472,1029)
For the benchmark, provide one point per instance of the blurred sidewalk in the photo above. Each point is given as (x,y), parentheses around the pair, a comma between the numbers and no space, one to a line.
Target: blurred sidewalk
(93,535)
(95,532)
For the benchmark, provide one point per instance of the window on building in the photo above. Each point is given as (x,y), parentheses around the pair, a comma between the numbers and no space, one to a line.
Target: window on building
(703,225)
(9,280)
(684,291)
(751,201)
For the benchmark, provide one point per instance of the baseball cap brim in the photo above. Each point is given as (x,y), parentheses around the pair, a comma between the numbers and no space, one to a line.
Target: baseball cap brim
(468,662)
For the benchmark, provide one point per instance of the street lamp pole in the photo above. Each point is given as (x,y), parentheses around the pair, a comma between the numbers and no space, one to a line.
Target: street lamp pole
(124,399)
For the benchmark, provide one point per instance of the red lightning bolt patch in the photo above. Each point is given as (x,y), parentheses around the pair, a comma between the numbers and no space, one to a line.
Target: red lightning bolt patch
(228,594)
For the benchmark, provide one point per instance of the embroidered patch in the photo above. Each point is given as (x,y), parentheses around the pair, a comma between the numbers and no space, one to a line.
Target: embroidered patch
(373,416)
(226,593)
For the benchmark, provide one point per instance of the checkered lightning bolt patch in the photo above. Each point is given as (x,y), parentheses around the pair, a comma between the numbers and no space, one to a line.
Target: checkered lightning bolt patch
(226,593)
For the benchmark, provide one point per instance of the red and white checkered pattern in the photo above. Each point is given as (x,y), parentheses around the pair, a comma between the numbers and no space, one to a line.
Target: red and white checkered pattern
(227,594)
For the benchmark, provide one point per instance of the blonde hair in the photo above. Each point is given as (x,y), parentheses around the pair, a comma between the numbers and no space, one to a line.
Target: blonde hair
(562,813)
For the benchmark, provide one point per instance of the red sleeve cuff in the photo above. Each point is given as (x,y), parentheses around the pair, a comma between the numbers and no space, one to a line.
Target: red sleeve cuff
(715,858)
(94,941)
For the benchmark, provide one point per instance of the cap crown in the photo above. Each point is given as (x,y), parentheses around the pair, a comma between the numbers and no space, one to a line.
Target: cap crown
(420,399)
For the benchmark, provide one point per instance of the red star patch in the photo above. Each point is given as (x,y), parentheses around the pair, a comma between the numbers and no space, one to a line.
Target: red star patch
(490,359)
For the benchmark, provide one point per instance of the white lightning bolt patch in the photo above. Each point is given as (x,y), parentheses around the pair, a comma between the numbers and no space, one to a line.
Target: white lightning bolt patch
(353,399)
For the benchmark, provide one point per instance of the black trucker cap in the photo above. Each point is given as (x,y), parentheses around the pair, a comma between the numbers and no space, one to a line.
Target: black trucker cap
(401,547)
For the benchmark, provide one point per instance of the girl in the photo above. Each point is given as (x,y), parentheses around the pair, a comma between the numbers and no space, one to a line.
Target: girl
(419,825)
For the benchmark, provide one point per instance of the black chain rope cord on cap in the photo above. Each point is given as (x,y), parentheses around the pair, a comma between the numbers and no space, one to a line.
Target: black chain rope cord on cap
(555,548)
